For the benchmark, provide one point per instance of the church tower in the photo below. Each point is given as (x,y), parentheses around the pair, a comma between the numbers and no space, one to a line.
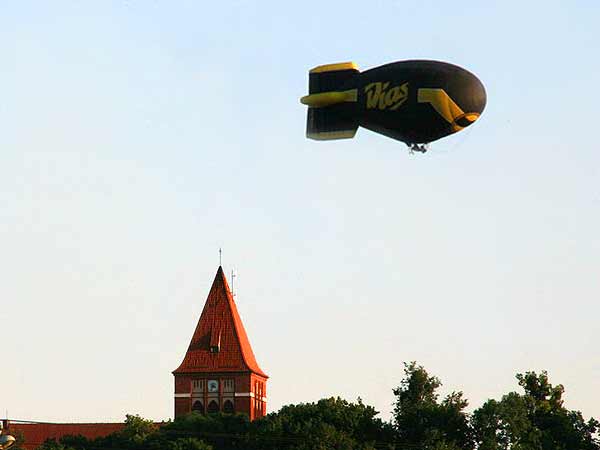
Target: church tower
(219,372)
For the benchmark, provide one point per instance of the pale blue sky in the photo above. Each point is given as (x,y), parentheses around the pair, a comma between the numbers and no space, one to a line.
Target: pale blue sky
(136,138)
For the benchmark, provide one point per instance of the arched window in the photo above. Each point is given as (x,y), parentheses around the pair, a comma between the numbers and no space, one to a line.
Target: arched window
(198,406)
(213,407)
(228,407)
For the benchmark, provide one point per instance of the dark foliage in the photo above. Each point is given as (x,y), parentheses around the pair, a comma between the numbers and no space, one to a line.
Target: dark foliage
(422,421)
(534,420)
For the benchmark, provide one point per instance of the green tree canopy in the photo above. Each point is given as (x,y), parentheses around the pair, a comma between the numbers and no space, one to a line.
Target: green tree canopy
(331,423)
(535,420)
(222,431)
(422,421)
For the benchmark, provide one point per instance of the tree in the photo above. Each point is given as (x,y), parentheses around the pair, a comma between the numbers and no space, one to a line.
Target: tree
(52,444)
(420,420)
(222,431)
(137,429)
(331,423)
(535,420)
(188,444)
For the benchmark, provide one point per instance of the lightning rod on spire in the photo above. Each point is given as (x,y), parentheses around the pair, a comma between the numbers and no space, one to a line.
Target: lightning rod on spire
(233,275)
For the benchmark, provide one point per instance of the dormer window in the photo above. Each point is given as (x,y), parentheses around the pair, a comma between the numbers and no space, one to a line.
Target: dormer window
(215,340)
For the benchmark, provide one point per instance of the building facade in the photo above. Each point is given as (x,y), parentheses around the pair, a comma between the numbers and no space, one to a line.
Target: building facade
(219,372)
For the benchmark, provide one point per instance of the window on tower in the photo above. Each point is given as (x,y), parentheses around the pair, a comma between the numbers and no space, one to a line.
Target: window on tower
(198,406)
(213,407)
(228,407)
(198,386)
(228,386)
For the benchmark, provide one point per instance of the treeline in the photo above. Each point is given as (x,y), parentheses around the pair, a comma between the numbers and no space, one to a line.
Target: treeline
(534,419)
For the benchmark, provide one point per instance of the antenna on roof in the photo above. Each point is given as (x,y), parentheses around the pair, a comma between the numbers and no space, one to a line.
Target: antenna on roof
(220,252)
(233,275)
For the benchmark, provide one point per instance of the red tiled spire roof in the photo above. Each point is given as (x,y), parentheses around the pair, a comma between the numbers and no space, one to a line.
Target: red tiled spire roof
(220,342)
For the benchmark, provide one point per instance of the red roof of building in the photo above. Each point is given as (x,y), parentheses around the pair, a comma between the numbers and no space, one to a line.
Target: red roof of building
(220,342)
(34,434)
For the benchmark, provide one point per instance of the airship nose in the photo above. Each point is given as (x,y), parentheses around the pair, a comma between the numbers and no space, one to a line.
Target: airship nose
(478,96)
(476,104)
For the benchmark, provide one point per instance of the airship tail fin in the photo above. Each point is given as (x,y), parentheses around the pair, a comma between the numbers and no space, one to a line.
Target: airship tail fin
(331,77)
(333,122)
(332,102)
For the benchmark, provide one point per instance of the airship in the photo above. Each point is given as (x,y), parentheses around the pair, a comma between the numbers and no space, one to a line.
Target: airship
(414,101)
